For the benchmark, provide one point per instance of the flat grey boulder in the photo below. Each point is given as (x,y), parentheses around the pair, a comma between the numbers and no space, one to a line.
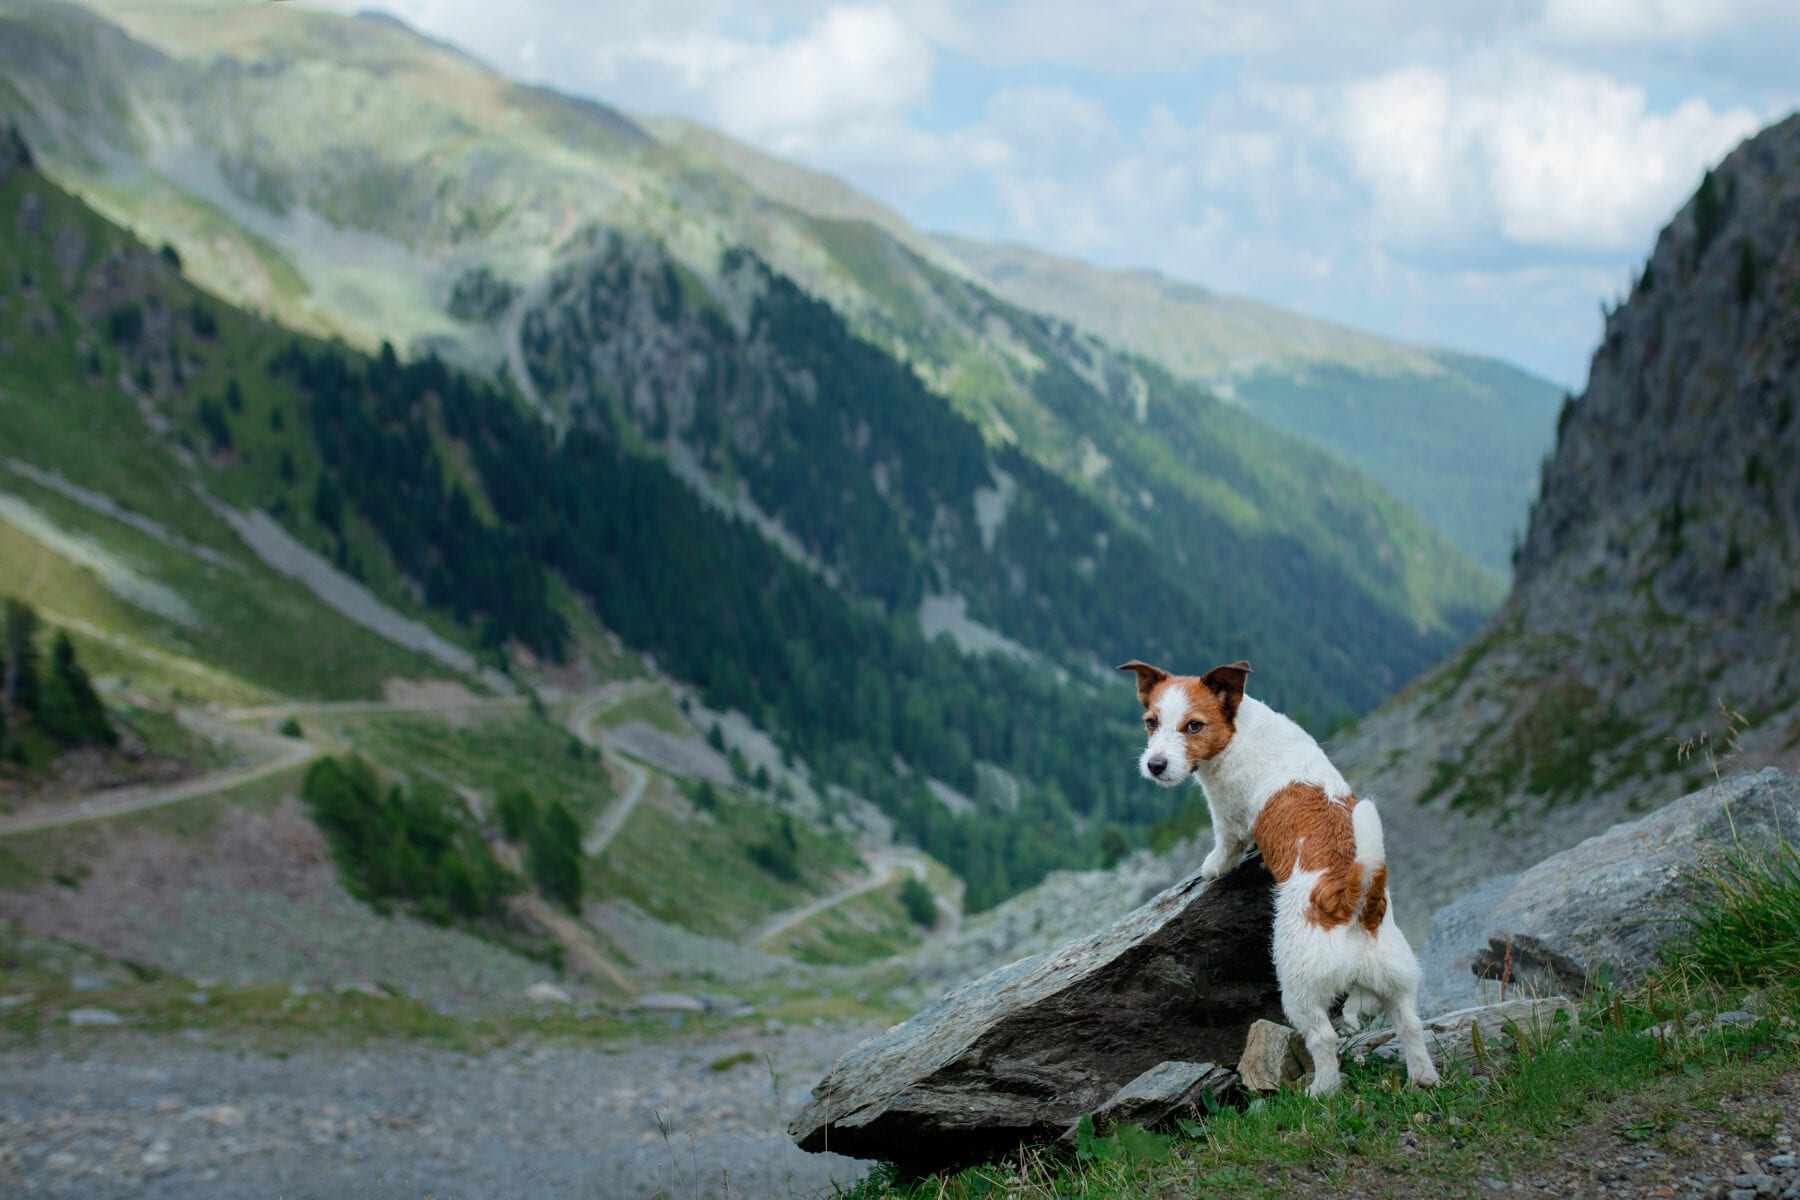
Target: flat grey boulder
(1022,1053)
(1614,899)
(1161,1094)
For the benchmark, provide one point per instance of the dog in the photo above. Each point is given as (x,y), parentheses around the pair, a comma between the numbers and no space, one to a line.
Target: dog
(1270,785)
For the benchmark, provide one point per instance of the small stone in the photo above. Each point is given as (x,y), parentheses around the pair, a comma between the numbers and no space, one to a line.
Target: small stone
(168,1105)
(547,993)
(1781,1162)
(89,983)
(1273,1055)
(226,1115)
(1741,1193)
(677,1002)
(11,1002)
(94,1016)
(62,1160)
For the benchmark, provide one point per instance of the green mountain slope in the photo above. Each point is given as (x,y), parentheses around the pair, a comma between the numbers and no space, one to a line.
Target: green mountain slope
(353,178)
(1459,438)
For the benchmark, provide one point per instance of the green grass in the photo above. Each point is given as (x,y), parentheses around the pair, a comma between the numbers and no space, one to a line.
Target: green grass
(487,750)
(257,632)
(694,871)
(654,708)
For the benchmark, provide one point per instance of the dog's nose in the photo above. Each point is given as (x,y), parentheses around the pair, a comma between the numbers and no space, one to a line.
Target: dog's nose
(1157,764)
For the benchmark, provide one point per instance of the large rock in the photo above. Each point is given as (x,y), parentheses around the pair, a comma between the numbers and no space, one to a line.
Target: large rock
(1613,899)
(1021,1054)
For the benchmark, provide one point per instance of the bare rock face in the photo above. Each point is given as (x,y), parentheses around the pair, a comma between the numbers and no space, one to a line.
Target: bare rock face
(1022,1053)
(1613,899)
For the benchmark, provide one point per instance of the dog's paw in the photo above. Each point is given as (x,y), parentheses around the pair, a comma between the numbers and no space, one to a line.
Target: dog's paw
(1214,866)
(1427,1079)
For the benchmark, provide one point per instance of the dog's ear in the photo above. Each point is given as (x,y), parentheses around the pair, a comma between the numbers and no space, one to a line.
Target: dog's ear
(1147,676)
(1227,683)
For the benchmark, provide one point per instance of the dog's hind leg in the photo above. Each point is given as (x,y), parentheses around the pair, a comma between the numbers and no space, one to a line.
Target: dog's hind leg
(1403,1007)
(1359,1005)
(1311,1015)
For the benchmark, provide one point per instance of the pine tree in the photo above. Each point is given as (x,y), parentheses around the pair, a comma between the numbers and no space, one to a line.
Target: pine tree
(19,684)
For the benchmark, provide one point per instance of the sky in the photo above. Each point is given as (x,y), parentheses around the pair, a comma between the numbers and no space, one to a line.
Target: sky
(1476,175)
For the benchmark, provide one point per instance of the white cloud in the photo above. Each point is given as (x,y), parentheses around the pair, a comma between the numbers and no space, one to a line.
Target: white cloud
(1537,153)
(852,64)
(1640,22)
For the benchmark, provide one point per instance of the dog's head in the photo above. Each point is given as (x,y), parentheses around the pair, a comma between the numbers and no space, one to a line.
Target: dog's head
(1190,718)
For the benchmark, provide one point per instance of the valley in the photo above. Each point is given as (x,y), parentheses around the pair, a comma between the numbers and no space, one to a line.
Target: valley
(588,621)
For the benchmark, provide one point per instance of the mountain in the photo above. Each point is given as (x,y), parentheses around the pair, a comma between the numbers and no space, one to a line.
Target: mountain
(797,457)
(1404,415)
(349,177)
(1651,630)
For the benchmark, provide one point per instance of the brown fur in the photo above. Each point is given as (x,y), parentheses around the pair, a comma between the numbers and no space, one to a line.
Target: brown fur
(1300,828)
(1212,699)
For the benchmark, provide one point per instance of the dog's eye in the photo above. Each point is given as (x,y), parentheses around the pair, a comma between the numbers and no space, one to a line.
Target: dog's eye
(1150,724)
(1195,726)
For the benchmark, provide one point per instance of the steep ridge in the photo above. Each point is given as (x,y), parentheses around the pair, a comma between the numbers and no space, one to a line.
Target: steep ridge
(1653,626)
(1405,415)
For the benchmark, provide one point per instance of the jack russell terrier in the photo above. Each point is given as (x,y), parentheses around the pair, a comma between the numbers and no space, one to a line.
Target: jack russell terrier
(1269,784)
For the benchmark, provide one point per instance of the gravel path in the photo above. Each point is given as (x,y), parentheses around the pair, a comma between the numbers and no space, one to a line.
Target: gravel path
(283,754)
(161,1118)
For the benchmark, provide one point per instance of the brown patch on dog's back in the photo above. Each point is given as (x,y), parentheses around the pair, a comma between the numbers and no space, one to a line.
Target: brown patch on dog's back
(1375,907)
(1302,828)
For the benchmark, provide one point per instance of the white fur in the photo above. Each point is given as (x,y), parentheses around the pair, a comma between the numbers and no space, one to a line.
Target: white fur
(1365,823)
(1315,966)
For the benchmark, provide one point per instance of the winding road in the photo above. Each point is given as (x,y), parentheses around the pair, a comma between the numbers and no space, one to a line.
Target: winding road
(581,724)
(885,866)
(115,802)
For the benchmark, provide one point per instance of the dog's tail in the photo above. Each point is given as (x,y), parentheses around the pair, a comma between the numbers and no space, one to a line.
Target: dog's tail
(1371,856)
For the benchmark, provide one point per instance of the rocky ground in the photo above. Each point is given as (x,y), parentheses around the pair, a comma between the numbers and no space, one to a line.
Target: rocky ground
(121,1114)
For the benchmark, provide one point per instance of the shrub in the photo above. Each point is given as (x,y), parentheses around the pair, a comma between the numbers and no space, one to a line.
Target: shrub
(518,814)
(779,853)
(291,728)
(1746,272)
(125,324)
(556,856)
(917,900)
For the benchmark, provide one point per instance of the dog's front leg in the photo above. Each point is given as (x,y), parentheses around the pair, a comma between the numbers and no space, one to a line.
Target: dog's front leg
(1231,841)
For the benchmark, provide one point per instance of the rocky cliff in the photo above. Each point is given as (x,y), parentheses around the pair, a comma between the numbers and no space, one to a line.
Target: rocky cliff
(1651,629)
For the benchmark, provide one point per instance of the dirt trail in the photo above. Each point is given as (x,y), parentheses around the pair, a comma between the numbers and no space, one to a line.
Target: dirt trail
(885,866)
(285,753)
(581,724)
